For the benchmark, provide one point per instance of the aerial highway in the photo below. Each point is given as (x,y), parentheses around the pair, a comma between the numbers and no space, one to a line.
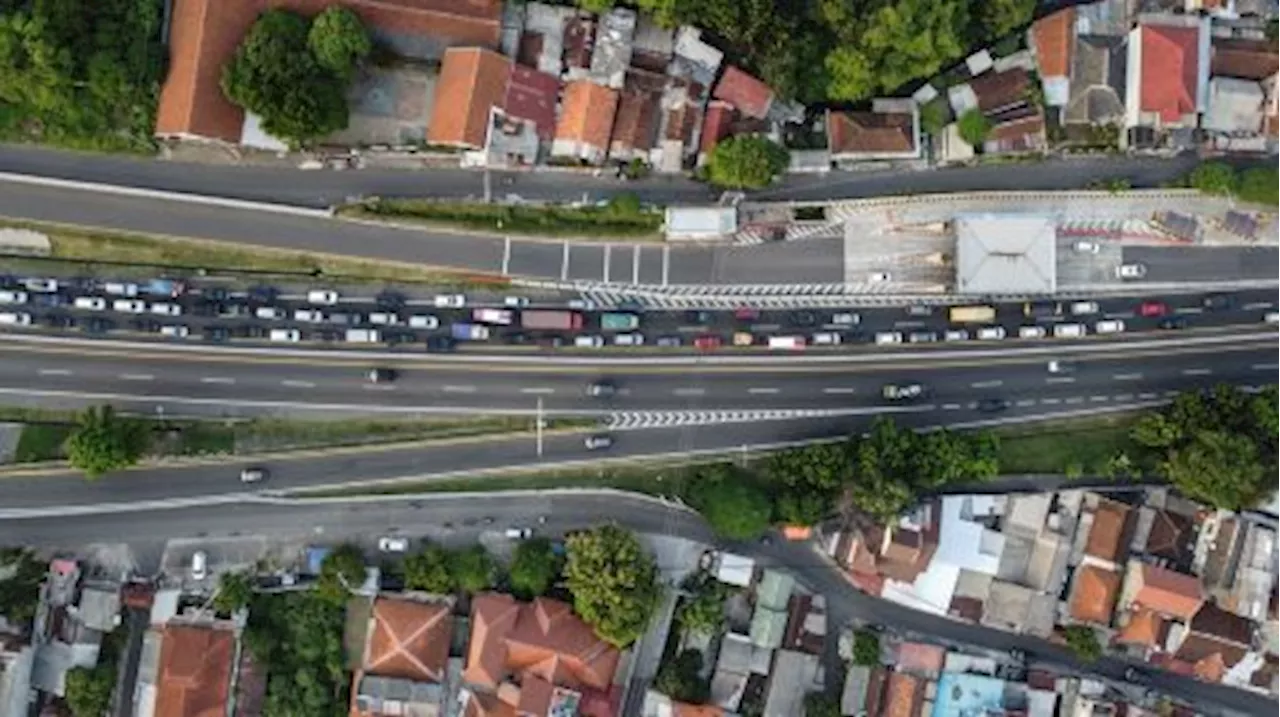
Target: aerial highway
(461,520)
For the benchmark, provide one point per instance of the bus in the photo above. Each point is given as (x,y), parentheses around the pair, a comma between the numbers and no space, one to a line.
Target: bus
(972,314)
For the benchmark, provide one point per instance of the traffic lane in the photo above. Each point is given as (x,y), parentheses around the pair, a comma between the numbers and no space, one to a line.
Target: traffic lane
(815,261)
(1204,263)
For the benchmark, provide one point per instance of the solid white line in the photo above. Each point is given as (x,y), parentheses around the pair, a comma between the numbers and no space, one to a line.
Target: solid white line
(538,390)
(506,255)
(1257,305)
(1026,402)
(689,391)
(1196,371)
(951,406)
(1124,397)
(217,379)
(1265,367)
(54,372)
(666,263)
(298,384)
(635,264)
(1051,401)
(608,250)
(1146,396)
(987,384)
(378,387)
(458,389)
(564,262)
(762,390)
(1099,399)
(1076,399)
(844,391)
(1127,377)
(136,376)
(1060,379)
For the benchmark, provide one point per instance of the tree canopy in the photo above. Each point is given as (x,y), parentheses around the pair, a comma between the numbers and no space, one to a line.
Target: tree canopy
(103,442)
(473,569)
(866,648)
(235,590)
(732,502)
(341,571)
(89,689)
(678,678)
(614,582)
(429,570)
(297,637)
(702,610)
(20,588)
(746,162)
(294,74)
(1083,642)
(974,127)
(1213,178)
(534,568)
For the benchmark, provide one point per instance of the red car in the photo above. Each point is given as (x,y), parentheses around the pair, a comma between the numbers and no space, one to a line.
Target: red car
(707,343)
(1153,308)
(746,313)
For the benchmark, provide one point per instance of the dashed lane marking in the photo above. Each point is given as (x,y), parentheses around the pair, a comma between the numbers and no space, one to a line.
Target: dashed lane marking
(1099,399)
(987,384)
(54,372)
(1059,379)
(298,384)
(1026,402)
(458,389)
(838,391)
(951,406)
(764,391)
(1127,377)
(1050,401)
(538,390)
(1075,399)
(1124,397)
(1196,371)
(1265,367)
(218,379)
(136,376)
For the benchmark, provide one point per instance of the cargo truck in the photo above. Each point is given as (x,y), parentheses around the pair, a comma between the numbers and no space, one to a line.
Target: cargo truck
(469,332)
(551,320)
(613,321)
(972,314)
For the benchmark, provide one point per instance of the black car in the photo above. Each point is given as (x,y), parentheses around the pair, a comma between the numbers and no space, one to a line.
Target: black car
(98,326)
(440,343)
(215,293)
(326,335)
(1172,323)
(146,326)
(264,294)
(399,337)
(205,308)
(1218,302)
(231,311)
(59,321)
(381,375)
(920,310)
(253,332)
(992,405)
(601,389)
(218,334)
(700,318)
(516,339)
(390,300)
(49,300)
(1041,309)
(804,318)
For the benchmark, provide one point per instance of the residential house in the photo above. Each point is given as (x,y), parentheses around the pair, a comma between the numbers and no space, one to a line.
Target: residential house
(1053,38)
(899,552)
(734,569)
(806,624)
(794,675)
(1236,108)
(579,45)
(716,125)
(1242,93)
(586,121)
(542,37)
(920,659)
(534,657)
(693,68)
(1254,584)
(747,94)
(203,36)
(1094,590)
(195,671)
(406,651)
(1168,75)
(612,54)
(1018,608)
(72,618)
(657,704)
(890,130)
(1108,525)
(635,124)
(1098,81)
(653,46)
(853,696)
(1171,538)
(903,695)
(965,694)
(1154,601)
(769,621)
(1005,98)
(17,657)
(1214,642)
(736,663)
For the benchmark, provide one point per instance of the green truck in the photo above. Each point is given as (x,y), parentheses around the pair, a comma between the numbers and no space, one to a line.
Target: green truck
(612,321)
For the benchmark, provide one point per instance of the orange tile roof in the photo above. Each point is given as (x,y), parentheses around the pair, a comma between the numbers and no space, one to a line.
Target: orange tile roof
(1106,537)
(410,640)
(543,639)
(1093,596)
(472,80)
(204,34)
(684,709)
(1054,37)
(797,532)
(903,698)
(921,657)
(1169,71)
(1169,593)
(870,132)
(195,672)
(586,113)
(1246,59)
(749,95)
(1143,628)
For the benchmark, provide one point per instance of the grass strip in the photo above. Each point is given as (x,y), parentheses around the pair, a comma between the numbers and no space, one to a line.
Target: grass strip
(124,255)
(1086,444)
(609,221)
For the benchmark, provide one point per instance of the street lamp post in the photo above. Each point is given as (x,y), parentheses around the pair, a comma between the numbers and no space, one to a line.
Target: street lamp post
(538,428)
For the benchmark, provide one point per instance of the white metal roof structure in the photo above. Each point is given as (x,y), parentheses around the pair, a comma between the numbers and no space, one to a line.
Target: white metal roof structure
(1006,254)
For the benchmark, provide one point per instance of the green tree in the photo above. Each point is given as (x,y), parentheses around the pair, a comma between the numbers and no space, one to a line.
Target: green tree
(626,203)
(534,568)
(596,6)
(746,162)
(678,678)
(803,506)
(904,40)
(235,590)
(104,442)
(338,40)
(341,571)
(89,689)
(297,637)
(275,75)
(473,569)
(1213,178)
(1083,643)
(614,582)
(851,74)
(933,115)
(1260,185)
(821,704)
(997,18)
(429,570)
(1221,469)
(974,127)
(733,504)
(866,648)
(20,588)
(702,610)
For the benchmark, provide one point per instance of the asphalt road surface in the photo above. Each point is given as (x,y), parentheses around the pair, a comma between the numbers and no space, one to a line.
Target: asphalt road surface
(463,519)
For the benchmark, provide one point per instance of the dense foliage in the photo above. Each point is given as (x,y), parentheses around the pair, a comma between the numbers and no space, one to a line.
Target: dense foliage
(732,501)
(816,50)
(678,678)
(294,73)
(429,570)
(89,689)
(80,73)
(821,704)
(614,582)
(473,569)
(974,127)
(341,571)
(746,162)
(702,610)
(235,590)
(1083,642)
(1217,447)
(866,648)
(1260,185)
(20,589)
(534,568)
(297,636)
(104,442)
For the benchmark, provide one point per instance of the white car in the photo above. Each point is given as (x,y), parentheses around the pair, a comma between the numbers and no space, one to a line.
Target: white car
(1113,326)
(1031,332)
(1131,271)
(268,312)
(519,533)
(1271,317)
(1087,247)
(15,319)
(846,319)
(879,277)
(164,309)
(13,297)
(991,333)
(449,301)
(628,340)
(41,286)
(389,544)
(826,338)
(90,303)
(1069,331)
(177,332)
(118,288)
(588,342)
(129,306)
(199,565)
(515,302)
(291,336)
(310,316)
(888,337)
(424,321)
(323,297)
(956,335)
(582,304)
(384,318)
(1081,308)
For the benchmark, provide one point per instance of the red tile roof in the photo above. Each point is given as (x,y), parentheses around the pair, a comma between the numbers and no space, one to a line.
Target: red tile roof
(1054,37)
(1143,628)
(998,90)
(409,640)
(1170,70)
(1093,595)
(903,697)
(1246,59)
(870,132)
(532,95)
(195,672)
(715,125)
(749,95)
(636,121)
(920,657)
(204,34)
(472,81)
(586,113)
(1108,533)
(1169,593)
